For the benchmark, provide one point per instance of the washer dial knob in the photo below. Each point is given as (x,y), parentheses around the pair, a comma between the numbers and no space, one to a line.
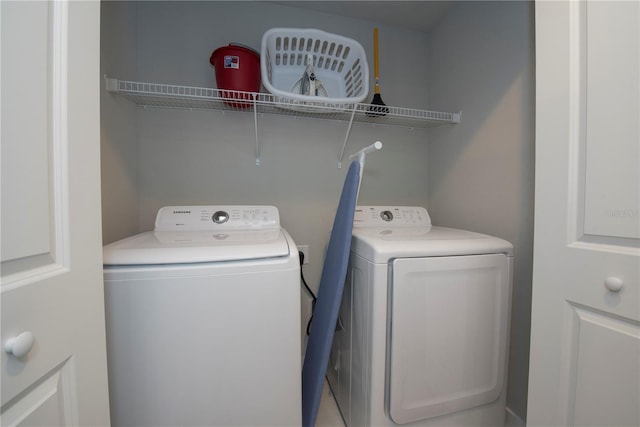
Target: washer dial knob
(386,216)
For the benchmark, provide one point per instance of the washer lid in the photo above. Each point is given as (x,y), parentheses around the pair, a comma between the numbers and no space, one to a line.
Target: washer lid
(180,247)
(190,234)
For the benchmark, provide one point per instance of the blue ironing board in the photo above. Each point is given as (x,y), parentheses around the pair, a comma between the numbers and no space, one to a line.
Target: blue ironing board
(325,315)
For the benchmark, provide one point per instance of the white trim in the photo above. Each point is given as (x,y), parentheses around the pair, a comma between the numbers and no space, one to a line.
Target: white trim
(33,275)
(603,245)
(60,134)
(41,267)
(577,143)
(576,115)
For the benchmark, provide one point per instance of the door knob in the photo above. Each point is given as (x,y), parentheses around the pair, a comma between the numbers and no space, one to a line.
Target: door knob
(20,345)
(613,284)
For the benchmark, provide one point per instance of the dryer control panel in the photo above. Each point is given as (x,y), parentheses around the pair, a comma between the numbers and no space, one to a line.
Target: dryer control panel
(172,218)
(391,216)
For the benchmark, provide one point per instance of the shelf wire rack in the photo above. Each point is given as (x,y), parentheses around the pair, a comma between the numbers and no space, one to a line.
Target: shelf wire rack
(201,98)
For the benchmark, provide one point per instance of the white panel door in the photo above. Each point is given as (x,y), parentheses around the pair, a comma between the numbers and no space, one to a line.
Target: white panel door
(585,337)
(448,337)
(53,335)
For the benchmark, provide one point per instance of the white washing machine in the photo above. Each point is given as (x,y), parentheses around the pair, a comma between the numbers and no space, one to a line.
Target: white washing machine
(422,336)
(203,320)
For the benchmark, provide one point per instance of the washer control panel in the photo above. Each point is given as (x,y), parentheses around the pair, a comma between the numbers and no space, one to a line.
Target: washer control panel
(391,216)
(171,218)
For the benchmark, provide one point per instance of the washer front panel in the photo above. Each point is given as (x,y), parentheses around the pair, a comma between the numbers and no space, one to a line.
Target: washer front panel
(204,345)
(448,334)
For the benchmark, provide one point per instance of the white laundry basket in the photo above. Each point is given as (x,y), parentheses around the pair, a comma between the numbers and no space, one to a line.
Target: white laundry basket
(339,63)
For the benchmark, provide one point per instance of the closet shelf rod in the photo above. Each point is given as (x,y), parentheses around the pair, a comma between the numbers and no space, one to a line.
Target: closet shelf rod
(360,155)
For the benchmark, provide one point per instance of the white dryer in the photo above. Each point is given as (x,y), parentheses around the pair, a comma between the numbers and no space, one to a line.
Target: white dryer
(422,337)
(203,320)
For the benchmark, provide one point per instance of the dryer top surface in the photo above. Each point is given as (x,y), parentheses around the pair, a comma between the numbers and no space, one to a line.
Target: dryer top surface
(413,236)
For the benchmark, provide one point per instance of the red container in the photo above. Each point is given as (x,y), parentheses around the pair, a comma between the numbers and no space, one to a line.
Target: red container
(237,69)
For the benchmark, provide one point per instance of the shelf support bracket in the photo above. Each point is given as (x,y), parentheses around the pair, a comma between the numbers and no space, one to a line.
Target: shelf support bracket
(346,138)
(255,127)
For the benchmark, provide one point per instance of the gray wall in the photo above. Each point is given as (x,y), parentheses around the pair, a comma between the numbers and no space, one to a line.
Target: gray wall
(184,157)
(481,171)
(118,124)
(475,175)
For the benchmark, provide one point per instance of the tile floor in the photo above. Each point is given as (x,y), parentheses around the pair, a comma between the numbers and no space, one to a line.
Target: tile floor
(328,414)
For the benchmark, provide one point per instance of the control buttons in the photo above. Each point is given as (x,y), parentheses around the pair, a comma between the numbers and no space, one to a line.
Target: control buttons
(386,216)
(220,217)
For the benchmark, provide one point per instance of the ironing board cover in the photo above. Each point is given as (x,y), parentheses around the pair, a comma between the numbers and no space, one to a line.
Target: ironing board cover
(325,315)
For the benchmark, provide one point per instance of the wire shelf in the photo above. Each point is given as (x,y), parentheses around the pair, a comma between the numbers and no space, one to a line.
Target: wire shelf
(189,97)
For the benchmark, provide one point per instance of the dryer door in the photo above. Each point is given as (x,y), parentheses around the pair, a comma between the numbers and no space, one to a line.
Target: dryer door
(448,335)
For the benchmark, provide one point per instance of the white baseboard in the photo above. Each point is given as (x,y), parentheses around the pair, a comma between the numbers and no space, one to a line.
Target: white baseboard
(512,420)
